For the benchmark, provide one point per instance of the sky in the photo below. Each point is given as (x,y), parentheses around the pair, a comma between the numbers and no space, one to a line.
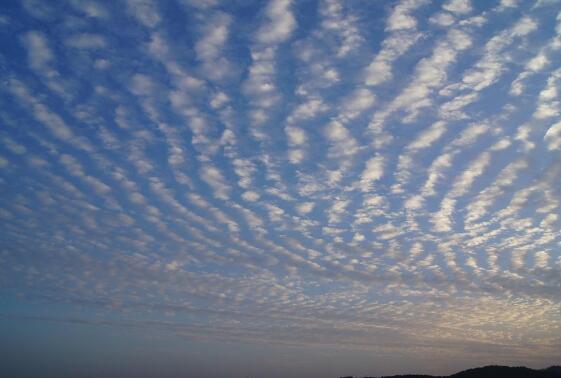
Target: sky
(279,188)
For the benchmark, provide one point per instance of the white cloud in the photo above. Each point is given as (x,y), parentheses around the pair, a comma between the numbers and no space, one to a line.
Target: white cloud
(172,266)
(336,20)
(337,210)
(308,110)
(296,135)
(276,214)
(435,173)
(553,137)
(401,18)
(538,62)
(442,219)
(547,110)
(280,25)
(405,162)
(373,172)
(360,100)
(260,86)
(214,178)
(210,47)
(305,207)
(219,100)
(458,6)
(244,169)
(509,3)
(427,137)
(430,73)
(336,132)
(491,66)
(541,259)
(250,196)
(296,155)
(464,182)
(524,26)
(442,19)
(342,142)
(547,107)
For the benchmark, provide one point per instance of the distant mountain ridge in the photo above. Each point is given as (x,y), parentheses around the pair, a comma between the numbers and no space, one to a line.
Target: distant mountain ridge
(492,371)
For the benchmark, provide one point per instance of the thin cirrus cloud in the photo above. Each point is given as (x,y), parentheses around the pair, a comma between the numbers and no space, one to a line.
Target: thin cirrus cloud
(358,177)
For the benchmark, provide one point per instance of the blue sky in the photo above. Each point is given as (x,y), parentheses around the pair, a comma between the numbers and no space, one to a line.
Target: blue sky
(274,187)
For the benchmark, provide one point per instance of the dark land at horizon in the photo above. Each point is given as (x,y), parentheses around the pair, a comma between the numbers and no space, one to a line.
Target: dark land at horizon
(490,372)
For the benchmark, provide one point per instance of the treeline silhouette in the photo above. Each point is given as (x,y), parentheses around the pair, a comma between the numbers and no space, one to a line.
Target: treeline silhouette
(491,372)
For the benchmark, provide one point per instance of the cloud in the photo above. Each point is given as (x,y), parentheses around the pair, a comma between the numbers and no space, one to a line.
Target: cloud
(537,63)
(219,100)
(547,105)
(524,26)
(442,19)
(13,146)
(373,171)
(308,109)
(296,139)
(214,178)
(280,25)
(90,8)
(380,69)
(430,73)
(210,47)
(250,196)
(305,208)
(4,163)
(39,9)
(400,18)
(76,169)
(478,208)
(428,136)
(86,41)
(553,136)
(39,54)
(296,136)
(343,24)
(342,143)
(337,210)
(145,11)
(360,100)
(41,113)
(142,85)
(458,6)
(340,170)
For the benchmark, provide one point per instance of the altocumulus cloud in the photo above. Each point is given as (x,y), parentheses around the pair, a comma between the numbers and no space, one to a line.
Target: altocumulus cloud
(381,176)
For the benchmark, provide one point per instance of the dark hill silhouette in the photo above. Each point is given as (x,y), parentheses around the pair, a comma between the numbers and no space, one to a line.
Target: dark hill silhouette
(554,370)
(506,372)
(493,372)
